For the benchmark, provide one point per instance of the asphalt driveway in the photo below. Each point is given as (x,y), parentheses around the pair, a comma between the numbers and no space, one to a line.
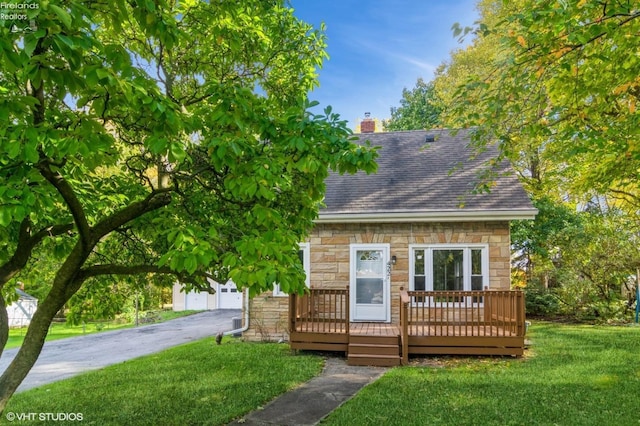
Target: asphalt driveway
(64,358)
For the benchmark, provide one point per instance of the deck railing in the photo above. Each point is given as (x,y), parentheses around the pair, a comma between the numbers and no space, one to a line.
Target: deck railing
(320,311)
(489,313)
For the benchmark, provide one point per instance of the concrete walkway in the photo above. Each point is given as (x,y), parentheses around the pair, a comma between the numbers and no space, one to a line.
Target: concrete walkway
(65,358)
(313,401)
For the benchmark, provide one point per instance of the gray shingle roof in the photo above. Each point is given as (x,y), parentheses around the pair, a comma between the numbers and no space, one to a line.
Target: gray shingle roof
(410,179)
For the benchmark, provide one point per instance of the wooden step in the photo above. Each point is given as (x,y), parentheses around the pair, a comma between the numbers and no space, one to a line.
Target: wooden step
(374,360)
(366,349)
(362,339)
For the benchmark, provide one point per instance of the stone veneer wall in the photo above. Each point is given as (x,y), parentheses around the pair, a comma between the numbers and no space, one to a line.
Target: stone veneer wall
(329,245)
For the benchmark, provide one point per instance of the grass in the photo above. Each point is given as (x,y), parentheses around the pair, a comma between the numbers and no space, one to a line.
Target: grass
(573,375)
(62,330)
(194,384)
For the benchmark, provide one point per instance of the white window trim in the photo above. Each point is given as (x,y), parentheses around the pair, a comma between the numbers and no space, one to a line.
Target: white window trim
(428,248)
(306,259)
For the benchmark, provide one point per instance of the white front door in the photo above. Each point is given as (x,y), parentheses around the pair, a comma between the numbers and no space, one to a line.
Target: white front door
(370,287)
(229,297)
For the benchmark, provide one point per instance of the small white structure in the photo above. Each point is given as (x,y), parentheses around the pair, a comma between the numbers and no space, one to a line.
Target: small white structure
(226,296)
(21,311)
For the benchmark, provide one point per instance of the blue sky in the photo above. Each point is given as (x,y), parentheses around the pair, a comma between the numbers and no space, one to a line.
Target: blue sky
(379,47)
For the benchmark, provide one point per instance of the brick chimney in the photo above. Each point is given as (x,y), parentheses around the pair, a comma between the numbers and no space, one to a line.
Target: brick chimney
(368,125)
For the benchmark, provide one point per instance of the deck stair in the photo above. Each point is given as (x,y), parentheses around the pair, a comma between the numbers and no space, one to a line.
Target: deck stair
(374,350)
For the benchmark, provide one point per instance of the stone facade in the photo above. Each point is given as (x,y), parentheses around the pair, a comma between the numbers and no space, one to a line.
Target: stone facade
(330,263)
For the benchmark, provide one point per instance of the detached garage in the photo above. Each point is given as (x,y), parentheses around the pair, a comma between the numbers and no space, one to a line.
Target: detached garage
(21,311)
(227,296)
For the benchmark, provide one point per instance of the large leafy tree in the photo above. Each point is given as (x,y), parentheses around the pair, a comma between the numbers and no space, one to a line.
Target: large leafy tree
(563,79)
(555,84)
(159,137)
(419,109)
(457,85)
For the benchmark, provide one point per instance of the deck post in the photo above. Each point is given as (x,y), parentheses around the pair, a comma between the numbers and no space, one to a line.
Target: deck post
(404,325)
(293,303)
(347,326)
(520,313)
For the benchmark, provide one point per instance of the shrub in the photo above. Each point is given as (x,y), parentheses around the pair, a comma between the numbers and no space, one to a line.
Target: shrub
(541,302)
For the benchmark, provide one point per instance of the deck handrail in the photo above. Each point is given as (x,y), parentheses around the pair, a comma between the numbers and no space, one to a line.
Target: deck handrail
(492,312)
(320,310)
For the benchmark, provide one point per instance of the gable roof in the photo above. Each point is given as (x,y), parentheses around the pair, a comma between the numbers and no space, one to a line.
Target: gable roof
(432,184)
(24,296)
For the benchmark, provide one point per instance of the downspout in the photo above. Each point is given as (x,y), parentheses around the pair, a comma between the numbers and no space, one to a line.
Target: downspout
(246,317)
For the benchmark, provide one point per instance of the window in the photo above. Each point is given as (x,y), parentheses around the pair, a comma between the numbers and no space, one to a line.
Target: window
(369,277)
(304,254)
(449,267)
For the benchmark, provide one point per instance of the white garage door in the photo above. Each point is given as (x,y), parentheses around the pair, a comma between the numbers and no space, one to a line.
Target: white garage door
(229,297)
(195,301)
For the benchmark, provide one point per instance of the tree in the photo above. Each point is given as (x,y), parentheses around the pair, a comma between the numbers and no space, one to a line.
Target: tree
(418,109)
(597,263)
(553,85)
(563,79)
(463,104)
(160,137)
(539,244)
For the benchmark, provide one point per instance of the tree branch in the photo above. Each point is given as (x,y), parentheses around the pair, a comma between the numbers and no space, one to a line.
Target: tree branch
(68,194)
(620,194)
(155,200)
(26,244)
(116,269)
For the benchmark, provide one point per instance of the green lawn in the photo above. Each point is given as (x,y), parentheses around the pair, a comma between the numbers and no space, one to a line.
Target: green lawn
(573,375)
(62,330)
(199,383)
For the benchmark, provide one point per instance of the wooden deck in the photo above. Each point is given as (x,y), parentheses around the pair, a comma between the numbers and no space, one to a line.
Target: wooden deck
(486,322)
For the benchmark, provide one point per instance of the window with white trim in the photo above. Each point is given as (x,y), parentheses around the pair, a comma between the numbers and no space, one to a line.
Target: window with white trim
(448,267)
(304,253)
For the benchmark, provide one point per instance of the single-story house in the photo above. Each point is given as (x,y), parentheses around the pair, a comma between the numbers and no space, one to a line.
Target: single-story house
(410,260)
(226,296)
(21,311)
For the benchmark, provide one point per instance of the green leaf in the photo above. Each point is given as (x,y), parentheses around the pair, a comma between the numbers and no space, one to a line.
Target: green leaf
(13,149)
(31,152)
(66,40)
(5,216)
(191,264)
(62,14)
(30,43)
(176,152)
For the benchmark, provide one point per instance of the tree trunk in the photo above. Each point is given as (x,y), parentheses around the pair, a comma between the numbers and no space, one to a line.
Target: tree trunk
(4,324)
(64,286)
(31,347)
(67,281)
(546,280)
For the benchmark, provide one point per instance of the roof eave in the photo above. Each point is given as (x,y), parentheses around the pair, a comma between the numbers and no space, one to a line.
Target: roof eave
(436,216)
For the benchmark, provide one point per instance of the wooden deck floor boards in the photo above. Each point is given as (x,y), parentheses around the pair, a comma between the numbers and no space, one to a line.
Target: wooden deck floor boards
(384,329)
(374,329)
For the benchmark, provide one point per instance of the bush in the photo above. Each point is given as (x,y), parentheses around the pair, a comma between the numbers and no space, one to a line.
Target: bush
(541,302)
